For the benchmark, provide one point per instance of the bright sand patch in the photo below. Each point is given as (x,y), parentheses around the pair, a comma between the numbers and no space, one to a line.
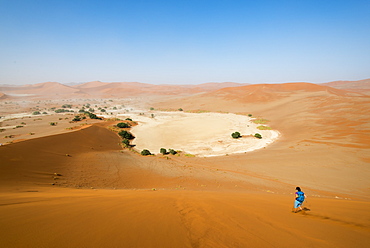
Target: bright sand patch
(203,134)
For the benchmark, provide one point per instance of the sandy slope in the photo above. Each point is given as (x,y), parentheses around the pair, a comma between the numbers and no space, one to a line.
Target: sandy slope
(196,203)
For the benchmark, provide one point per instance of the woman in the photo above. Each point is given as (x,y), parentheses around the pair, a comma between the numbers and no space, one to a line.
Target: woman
(299,199)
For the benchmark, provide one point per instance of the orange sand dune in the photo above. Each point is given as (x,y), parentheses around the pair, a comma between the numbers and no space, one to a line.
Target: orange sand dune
(103,197)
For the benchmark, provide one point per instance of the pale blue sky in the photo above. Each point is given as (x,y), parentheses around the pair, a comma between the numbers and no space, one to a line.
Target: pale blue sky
(184,42)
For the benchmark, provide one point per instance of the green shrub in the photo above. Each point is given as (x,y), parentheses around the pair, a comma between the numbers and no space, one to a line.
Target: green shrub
(128,119)
(145,152)
(93,116)
(172,151)
(53,123)
(126,135)
(126,143)
(36,113)
(258,136)
(236,135)
(77,118)
(123,125)
(163,151)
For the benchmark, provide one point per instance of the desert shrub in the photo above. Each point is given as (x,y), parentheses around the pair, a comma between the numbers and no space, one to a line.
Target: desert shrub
(36,113)
(172,151)
(126,135)
(128,119)
(103,110)
(163,151)
(250,115)
(91,110)
(92,116)
(126,143)
(145,152)
(19,126)
(53,123)
(44,113)
(63,110)
(258,136)
(151,108)
(123,125)
(77,118)
(2,130)
(81,111)
(67,106)
(180,109)
(236,135)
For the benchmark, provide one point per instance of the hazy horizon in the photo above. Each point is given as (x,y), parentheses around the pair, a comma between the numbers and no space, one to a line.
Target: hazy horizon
(190,42)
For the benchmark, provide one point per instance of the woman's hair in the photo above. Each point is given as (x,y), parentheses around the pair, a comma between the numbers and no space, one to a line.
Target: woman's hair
(298,188)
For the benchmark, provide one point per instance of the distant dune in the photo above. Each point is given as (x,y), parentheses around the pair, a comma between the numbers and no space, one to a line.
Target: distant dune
(362,86)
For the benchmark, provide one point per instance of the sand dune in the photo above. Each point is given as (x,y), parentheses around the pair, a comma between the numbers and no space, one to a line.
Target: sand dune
(80,189)
(193,205)
(361,86)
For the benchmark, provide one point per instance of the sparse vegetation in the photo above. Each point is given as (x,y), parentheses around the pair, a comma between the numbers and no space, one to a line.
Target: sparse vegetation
(123,125)
(62,110)
(172,151)
(180,109)
(77,118)
(92,116)
(163,151)
(36,113)
(250,115)
(264,127)
(126,143)
(126,135)
(236,135)
(128,119)
(19,126)
(145,152)
(53,123)
(258,136)
(261,121)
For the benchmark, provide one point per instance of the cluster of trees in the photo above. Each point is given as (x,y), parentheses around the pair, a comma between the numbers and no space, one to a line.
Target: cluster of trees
(63,110)
(170,151)
(164,151)
(123,125)
(237,135)
(126,135)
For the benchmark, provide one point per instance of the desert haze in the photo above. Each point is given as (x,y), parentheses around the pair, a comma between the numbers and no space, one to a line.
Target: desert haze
(68,180)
